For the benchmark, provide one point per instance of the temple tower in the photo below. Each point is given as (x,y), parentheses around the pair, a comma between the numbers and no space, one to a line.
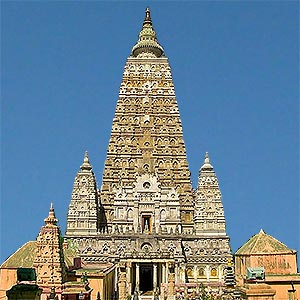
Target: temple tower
(49,260)
(83,213)
(209,212)
(208,255)
(146,146)
(160,234)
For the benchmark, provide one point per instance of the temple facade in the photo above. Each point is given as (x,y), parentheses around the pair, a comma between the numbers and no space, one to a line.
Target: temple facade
(160,233)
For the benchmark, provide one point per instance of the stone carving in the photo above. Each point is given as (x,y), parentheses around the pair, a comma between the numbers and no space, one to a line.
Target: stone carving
(146,210)
(49,261)
(83,214)
(209,213)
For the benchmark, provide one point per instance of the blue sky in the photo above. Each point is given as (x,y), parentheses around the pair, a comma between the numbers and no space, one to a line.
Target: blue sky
(235,67)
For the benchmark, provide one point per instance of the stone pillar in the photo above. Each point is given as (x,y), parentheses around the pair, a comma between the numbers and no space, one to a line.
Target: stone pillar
(154,276)
(136,218)
(167,272)
(128,277)
(122,286)
(220,272)
(181,273)
(171,287)
(195,272)
(137,277)
(116,280)
(164,273)
(207,271)
(176,273)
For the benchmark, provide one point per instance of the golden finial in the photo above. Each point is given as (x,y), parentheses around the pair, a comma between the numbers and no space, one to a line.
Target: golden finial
(147,17)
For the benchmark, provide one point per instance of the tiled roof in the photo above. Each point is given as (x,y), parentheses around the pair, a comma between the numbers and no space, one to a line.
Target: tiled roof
(25,255)
(22,258)
(263,243)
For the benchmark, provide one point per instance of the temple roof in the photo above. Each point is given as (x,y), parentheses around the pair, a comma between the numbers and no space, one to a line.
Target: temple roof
(263,243)
(23,257)
(147,41)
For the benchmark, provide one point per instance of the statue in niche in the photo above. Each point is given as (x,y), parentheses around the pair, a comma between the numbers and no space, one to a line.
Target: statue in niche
(146,230)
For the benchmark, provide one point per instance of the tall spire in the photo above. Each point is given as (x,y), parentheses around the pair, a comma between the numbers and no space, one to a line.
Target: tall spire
(146,151)
(147,42)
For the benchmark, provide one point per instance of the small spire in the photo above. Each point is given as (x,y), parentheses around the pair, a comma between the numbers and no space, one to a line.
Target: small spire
(206,160)
(262,231)
(207,165)
(51,219)
(86,163)
(147,17)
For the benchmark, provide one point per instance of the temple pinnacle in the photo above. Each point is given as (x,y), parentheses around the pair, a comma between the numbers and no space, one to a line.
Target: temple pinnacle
(147,17)
(147,42)
(206,158)
(206,165)
(86,163)
(51,219)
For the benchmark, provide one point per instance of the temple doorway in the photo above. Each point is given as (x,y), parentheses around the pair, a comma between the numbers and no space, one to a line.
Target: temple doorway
(146,277)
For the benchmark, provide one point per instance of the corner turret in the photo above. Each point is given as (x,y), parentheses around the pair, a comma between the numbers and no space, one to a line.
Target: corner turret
(209,212)
(83,211)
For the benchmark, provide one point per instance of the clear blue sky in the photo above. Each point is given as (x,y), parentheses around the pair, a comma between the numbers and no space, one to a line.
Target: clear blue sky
(236,73)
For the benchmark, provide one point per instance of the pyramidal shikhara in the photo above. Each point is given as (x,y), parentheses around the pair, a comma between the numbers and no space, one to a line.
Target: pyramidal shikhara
(146,218)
